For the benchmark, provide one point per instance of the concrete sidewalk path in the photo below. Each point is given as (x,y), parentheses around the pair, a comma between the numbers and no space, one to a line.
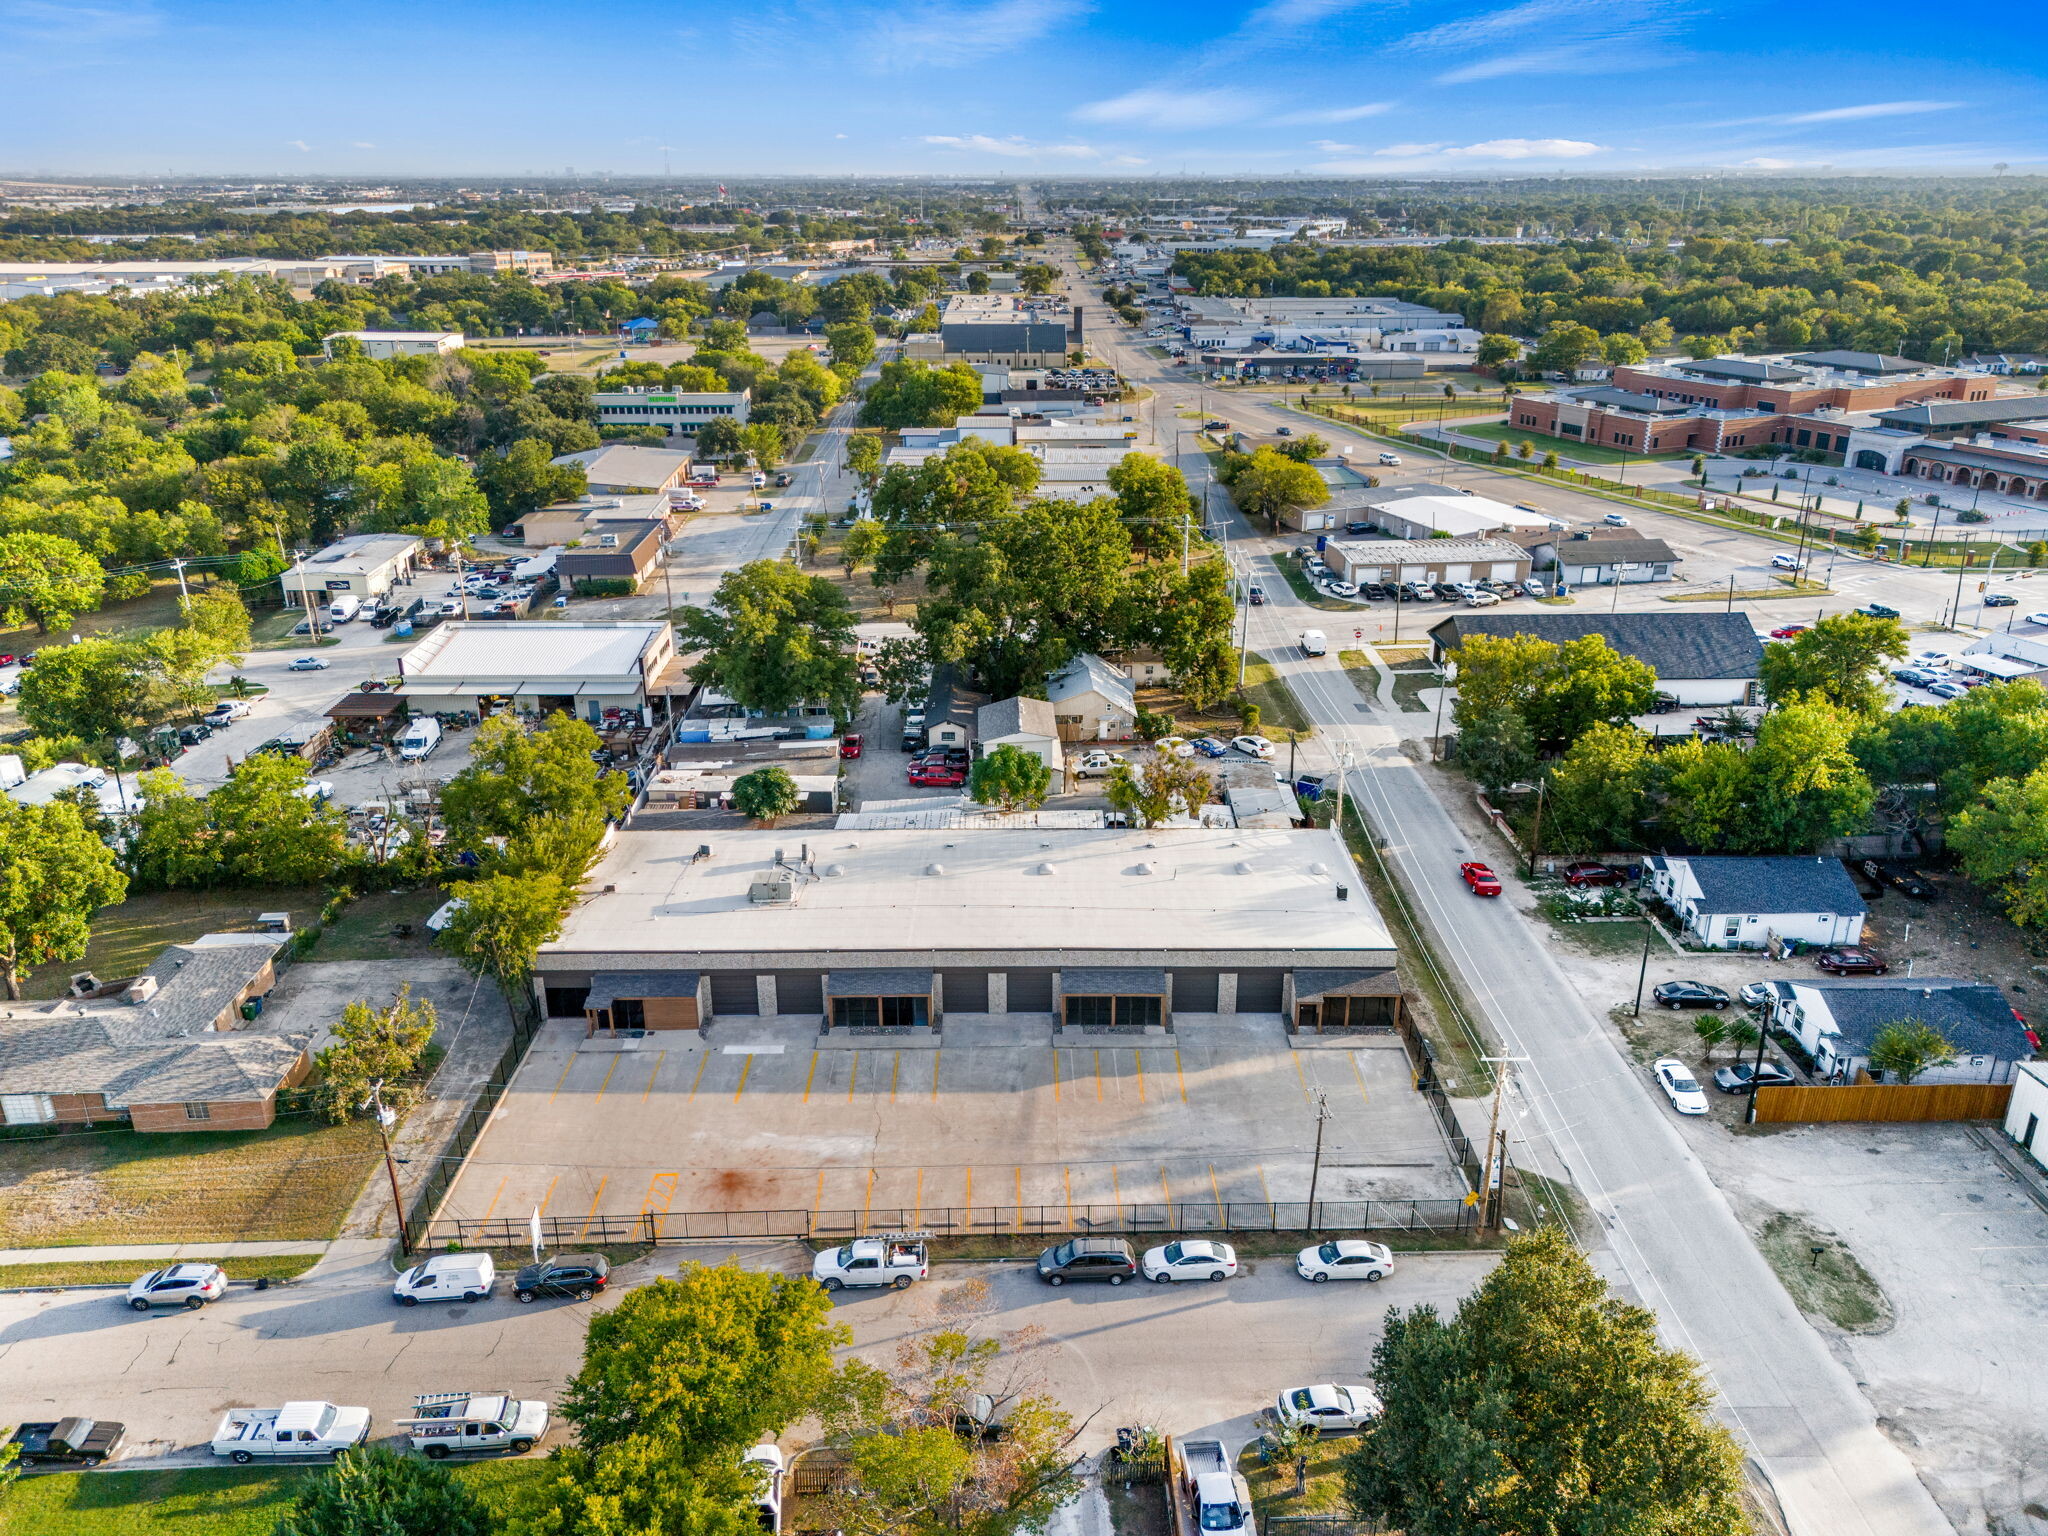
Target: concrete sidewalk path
(153,1252)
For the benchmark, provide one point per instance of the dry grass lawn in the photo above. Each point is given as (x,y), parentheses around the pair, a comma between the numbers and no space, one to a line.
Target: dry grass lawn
(125,938)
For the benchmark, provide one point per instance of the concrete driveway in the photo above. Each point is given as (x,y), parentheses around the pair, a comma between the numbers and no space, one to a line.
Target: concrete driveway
(1185,1357)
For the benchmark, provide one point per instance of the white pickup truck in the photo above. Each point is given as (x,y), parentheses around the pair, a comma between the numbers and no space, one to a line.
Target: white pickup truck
(296,1429)
(1097,765)
(1222,1499)
(444,1423)
(896,1259)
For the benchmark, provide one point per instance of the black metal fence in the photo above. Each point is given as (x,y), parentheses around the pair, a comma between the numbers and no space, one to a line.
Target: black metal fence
(526,1023)
(1422,1062)
(1434,1215)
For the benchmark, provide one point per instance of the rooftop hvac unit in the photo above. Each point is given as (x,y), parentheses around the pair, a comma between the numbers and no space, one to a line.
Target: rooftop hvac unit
(772,889)
(608,540)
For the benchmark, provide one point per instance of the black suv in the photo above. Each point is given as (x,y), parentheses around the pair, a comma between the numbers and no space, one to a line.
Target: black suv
(1088,1258)
(581,1275)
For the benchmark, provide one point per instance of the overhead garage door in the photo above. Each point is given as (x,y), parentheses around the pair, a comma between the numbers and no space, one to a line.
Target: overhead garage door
(1258,991)
(800,992)
(566,1002)
(734,992)
(1194,991)
(1030,991)
(965,991)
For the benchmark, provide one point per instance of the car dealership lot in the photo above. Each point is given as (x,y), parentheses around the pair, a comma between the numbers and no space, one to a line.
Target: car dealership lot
(1182,1357)
(1221,1114)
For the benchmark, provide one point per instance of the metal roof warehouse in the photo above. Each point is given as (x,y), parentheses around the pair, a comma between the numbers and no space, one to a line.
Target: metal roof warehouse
(579,669)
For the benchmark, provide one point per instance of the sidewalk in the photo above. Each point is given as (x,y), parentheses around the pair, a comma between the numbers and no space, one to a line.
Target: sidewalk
(156,1252)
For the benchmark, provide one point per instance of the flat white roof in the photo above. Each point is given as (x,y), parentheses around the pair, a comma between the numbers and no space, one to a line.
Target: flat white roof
(628,464)
(361,552)
(1459,514)
(1042,888)
(457,652)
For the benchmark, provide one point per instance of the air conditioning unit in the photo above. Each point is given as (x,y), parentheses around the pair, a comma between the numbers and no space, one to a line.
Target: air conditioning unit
(608,541)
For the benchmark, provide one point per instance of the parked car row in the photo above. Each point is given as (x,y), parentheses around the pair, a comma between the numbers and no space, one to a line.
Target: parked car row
(1113,1261)
(472,1277)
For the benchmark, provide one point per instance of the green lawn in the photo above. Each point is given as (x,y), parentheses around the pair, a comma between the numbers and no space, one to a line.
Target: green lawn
(125,938)
(282,1266)
(366,928)
(199,1501)
(158,608)
(1277,704)
(1564,447)
(1295,577)
(1273,1487)
(294,1181)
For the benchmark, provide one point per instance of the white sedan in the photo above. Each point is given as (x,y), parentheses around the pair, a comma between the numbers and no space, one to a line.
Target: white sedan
(1174,746)
(1252,746)
(2037,618)
(1345,1259)
(1189,1260)
(1329,1409)
(307,664)
(1679,1086)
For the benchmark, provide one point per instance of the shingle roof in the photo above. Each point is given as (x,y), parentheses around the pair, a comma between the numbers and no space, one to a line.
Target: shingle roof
(86,1055)
(1016,717)
(1609,551)
(1973,1016)
(1773,883)
(1678,645)
(952,701)
(1089,673)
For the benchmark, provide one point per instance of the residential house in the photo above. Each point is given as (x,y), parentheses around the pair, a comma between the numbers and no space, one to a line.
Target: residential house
(168,1050)
(1144,666)
(1025,723)
(951,715)
(1728,902)
(1837,1022)
(1092,701)
(2028,1109)
(1701,659)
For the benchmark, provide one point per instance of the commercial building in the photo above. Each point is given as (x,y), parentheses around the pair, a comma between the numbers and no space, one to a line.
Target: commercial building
(1590,561)
(1745,903)
(169,1050)
(1701,659)
(1811,400)
(895,931)
(585,670)
(614,552)
(679,413)
(2028,1109)
(627,469)
(1002,328)
(1382,316)
(565,522)
(1433,560)
(2004,655)
(22,279)
(1418,513)
(385,344)
(363,566)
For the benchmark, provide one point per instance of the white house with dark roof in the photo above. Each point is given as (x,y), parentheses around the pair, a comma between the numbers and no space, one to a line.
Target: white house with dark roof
(1092,701)
(1701,659)
(1737,902)
(1024,723)
(1838,1020)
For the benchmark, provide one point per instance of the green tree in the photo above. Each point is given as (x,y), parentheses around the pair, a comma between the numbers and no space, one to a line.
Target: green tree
(524,477)
(1155,503)
(502,923)
(1497,748)
(1840,660)
(1905,1048)
(272,832)
(373,1049)
(911,393)
(1706,788)
(1190,622)
(1807,784)
(852,343)
(173,843)
(1269,484)
(1305,447)
(707,1363)
(720,439)
(1543,1404)
(966,488)
(1560,690)
(54,875)
(864,458)
(520,772)
(1167,786)
(1010,777)
(1623,349)
(774,637)
(862,543)
(1597,791)
(2003,843)
(376,1491)
(1564,347)
(633,1487)
(1496,349)
(95,690)
(46,580)
(766,795)
(1037,277)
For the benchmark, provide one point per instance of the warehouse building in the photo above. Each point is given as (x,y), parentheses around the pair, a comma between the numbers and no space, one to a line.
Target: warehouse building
(998,328)
(894,931)
(386,344)
(363,566)
(679,413)
(588,670)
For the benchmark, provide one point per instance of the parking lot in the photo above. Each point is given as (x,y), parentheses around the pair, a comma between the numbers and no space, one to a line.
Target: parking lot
(1219,1116)
(1187,1358)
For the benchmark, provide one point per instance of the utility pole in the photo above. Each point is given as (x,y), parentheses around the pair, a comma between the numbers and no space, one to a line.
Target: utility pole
(1643,971)
(385,1120)
(1489,1196)
(184,596)
(1316,1168)
(1536,830)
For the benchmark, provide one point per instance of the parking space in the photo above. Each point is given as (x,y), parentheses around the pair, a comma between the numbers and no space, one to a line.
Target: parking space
(1222,1115)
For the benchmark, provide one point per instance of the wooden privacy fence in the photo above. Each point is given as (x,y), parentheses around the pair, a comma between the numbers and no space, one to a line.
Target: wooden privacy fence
(1883,1101)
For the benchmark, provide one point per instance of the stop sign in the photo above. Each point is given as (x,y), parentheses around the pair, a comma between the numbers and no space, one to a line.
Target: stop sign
(1358,634)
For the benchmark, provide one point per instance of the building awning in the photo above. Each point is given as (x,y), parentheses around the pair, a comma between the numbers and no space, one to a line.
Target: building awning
(1313,984)
(607,987)
(878,983)
(2002,666)
(1118,980)
(367,706)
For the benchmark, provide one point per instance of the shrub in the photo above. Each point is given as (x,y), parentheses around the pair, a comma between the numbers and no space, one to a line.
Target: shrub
(606,586)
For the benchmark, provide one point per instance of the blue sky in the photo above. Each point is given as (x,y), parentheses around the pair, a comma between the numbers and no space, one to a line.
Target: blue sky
(1018,87)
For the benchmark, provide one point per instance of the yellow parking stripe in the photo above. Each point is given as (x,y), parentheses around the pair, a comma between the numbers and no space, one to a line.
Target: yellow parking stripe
(810,1076)
(852,1077)
(1358,1072)
(702,1062)
(867,1201)
(1117,1190)
(1215,1192)
(1179,1076)
(1055,1074)
(1020,1197)
(935,1072)
(1139,1056)
(659,1058)
(746,1066)
(895,1075)
(818,1201)
(660,1188)
(917,1200)
(1068,1175)
(1098,1076)
(1303,1075)
(590,1214)
(608,1071)
(968,1198)
(1165,1189)
(549,1194)
(562,1079)
(494,1198)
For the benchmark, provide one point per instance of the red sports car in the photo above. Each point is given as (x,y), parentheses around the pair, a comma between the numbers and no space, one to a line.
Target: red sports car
(1590,873)
(850,744)
(1482,880)
(1787,631)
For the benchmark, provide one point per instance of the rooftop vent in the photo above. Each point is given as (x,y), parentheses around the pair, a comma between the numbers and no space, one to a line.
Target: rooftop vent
(1141,869)
(834,871)
(1043,869)
(1243,868)
(84,984)
(1319,868)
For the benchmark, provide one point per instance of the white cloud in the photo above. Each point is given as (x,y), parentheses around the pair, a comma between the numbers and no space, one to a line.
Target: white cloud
(1530,61)
(1851,114)
(1527,149)
(1172,109)
(55,24)
(1439,154)
(1336,114)
(838,135)
(1573,34)
(300,145)
(362,144)
(890,38)
(1765,163)
(1016,147)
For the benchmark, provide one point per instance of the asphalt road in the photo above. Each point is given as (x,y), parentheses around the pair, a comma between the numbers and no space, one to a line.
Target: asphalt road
(1191,1357)
(1665,1233)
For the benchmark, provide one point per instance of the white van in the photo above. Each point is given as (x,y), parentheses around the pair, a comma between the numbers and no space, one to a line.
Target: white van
(446,1277)
(421,737)
(1313,643)
(343,608)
